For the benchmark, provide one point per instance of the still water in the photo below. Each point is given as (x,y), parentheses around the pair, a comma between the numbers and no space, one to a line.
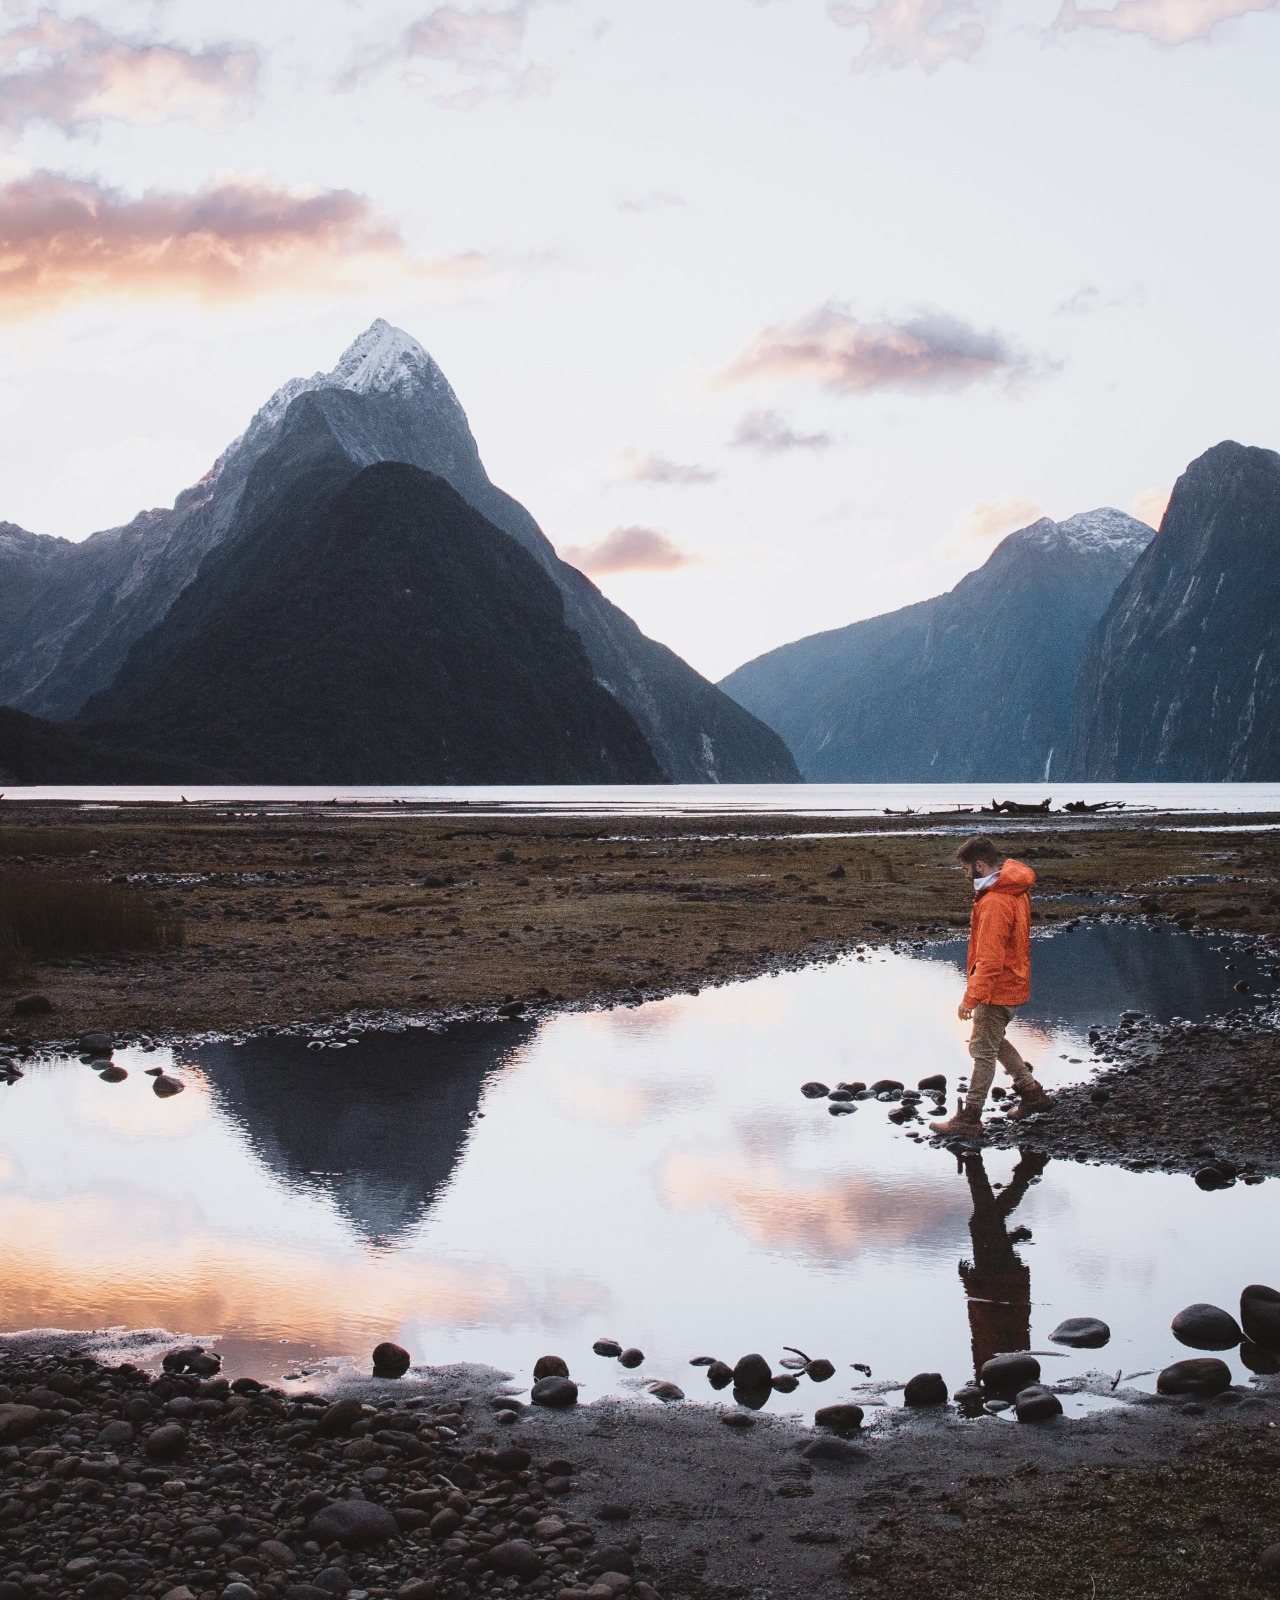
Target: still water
(650,1173)
(687,799)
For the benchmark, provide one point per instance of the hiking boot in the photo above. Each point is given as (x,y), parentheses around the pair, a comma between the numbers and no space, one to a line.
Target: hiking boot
(1030,1100)
(965,1124)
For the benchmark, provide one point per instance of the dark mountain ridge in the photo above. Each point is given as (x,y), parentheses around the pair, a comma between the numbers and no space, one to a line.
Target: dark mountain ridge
(71,613)
(367,620)
(1181,681)
(972,685)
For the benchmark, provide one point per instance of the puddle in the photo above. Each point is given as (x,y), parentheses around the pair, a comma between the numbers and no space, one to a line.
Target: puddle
(650,1174)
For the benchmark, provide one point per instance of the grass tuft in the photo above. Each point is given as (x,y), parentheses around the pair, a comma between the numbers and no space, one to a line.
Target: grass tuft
(43,916)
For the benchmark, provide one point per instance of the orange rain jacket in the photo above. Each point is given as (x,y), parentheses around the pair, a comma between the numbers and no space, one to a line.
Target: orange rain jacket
(1000,940)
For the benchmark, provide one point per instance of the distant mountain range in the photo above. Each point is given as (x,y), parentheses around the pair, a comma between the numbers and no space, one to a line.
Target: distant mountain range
(224,638)
(974,685)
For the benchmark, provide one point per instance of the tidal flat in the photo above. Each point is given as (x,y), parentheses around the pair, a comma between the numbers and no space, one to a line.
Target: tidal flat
(328,926)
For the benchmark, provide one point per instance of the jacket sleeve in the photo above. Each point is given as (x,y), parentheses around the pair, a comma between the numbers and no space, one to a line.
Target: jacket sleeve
(995,923)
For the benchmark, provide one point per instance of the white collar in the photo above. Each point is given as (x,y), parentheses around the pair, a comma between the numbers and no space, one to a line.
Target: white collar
(979,884)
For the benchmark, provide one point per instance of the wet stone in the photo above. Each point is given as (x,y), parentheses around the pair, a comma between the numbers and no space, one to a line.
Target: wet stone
(550,1367)
(1081,1333)
(1204,1376)
(631,1357)
(167,1443)
(752,1372)
(555,1392)
(390,1361)
(719,1374)
(925,1389)
(844,1418)
(353,1524)
(1004,1375)
(1206,1327)
(1037,1404)
(814,1091)
(1260,1315)
(607,1347)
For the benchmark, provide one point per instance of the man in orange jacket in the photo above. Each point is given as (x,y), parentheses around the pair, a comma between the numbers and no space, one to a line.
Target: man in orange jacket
(999,981)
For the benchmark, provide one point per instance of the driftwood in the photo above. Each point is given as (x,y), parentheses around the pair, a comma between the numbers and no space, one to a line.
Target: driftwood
(1016,808)
(1081,808)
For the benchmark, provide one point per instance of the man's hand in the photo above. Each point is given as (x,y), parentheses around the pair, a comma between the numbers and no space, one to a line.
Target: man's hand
(964,1012)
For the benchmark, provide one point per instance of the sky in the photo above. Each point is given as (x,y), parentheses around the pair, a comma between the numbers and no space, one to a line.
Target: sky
(776,314)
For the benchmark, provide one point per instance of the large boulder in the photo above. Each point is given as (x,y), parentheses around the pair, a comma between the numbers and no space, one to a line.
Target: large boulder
(1037,1404)
(1260,1315)
(1203,1376)
(752,1372)
(555,1392)
(1206,1327)
(1004,1375)
(390,1360)
(354,1524)
(925,1389)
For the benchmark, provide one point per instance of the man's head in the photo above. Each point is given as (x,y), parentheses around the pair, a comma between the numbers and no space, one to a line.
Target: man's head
(978,856)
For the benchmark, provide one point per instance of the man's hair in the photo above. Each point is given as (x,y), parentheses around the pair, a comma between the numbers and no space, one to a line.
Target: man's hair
(978,848)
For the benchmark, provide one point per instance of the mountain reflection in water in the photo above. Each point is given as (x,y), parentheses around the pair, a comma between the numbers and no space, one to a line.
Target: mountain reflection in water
(378,1128)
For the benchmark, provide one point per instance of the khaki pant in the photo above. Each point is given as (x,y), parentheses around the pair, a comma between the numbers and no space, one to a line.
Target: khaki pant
(987,1045)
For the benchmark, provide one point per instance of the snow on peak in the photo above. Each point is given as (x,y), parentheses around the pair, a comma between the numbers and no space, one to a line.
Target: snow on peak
(1103,529)
(383,360)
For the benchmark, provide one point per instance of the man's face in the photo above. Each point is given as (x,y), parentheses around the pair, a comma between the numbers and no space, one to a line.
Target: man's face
(973,870)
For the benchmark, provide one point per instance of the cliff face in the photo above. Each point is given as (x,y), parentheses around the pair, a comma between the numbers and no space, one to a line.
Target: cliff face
(974,685)
(1181,681)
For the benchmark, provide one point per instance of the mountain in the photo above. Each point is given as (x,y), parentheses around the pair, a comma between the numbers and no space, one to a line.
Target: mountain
(1181,681)
(973,685)
(71,613)
(34,751)
(367,622)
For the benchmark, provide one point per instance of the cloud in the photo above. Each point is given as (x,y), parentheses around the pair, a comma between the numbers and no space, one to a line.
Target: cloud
(924,33)
(482,45)
(928,351)
(1167,22)
(628,550)
(655,200)
(769,433)
(1150,506)
(661,469)
(64,239)
(987,521)
(1088,299)
(73,72)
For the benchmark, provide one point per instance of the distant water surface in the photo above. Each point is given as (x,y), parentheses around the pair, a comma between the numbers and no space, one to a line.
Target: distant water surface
(795,799)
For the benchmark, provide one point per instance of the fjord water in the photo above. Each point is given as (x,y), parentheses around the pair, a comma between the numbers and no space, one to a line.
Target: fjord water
(679,799)
(651,1173)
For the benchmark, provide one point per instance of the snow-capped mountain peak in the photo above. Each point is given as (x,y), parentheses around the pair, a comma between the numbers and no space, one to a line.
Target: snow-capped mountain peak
(1103,529)
(383,360)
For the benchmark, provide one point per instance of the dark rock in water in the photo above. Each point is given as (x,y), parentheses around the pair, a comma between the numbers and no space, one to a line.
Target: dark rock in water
(1081,1333)
(1209,1178)
(113,1075)
(785,1383)
(515,1558)
(666,1391)
(840,1094)
(1206,1327)
(390,1361)
(969,1398)
(754,1399)
(1037,1404)
(753,1372)
(887,1086)
(925,1389)
(703,1361)
(185,1358)
(841,1110)
(1260,1315)
(820,1370)
(550,1367)
(843,1418)
(1266,1363)
(607,1347)
(167,1443)
(165,1086)
(1202,1375)
(97,1044)
(719,1374)
(838,1451)
(555,1392)
(1006,1374)
(631,1357)
(936,1081)
(32,1005)
(814,1091)
(354,1524)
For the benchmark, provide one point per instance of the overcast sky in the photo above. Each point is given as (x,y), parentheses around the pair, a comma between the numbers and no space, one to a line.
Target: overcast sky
(775,313)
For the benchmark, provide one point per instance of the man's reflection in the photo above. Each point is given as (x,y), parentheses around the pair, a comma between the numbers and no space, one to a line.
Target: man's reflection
(996,1281)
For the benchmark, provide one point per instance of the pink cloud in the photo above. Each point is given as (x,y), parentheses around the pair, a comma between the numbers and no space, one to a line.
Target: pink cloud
(628,550)
(924,33)
(73,72)
(1167,22)
(834,349)
(985,523)
(661,469)
(1150,506)
(64,239)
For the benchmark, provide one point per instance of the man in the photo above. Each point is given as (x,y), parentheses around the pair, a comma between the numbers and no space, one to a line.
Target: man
(999,981)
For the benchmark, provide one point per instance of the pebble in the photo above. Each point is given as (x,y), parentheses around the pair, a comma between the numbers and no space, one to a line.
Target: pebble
(1269,1561)
(666,1391)
(165,1086)
(354,1524)
(390,1361)
(631,1357)
(1037,1404)
(835,1450)
(167,1443)
(1081,1333)
(752,1372)
(1260,1315)
(1206,1327)
(607,1347)
(32,1005)
(719,1374)
(1005,1374)
(843,1418)
(555,1392)
(614,1511)
(814,1091)
(925,1389)
(515,1558)
(1202,1375)
(738,1419)
(820,1370)
(550,1367)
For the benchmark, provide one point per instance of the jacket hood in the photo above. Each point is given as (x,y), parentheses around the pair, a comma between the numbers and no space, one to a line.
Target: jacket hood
(1015,878)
